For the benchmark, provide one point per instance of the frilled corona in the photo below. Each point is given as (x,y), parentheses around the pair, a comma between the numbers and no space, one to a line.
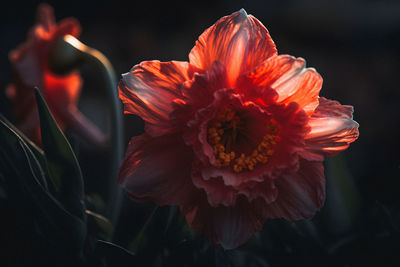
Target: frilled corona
(222,135)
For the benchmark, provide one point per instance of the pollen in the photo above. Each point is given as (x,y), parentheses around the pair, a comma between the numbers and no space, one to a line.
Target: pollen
(225,127)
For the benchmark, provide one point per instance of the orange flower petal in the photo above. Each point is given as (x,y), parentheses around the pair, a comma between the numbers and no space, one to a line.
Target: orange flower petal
(239,41)
(289,77)
(332,128)
(149,89)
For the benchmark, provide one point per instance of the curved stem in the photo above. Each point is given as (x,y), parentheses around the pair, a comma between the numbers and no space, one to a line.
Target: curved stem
(68,54)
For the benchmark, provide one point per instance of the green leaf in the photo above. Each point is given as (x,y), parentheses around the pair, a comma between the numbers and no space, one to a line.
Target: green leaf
(37,151)
(10,142)
(98,224)
(343,201)
(114,254)
(135,244)
(62,164)
(21,171)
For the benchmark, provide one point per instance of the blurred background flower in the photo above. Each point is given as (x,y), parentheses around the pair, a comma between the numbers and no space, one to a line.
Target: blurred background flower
(31,65)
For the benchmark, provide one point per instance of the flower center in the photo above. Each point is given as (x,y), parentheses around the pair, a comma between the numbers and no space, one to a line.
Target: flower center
(223,133)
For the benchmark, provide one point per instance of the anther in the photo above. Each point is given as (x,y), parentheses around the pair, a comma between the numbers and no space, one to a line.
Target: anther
(228,119)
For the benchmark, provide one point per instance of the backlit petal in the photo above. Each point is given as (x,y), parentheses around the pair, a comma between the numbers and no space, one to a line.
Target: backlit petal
(239,41)
(332,128)
(290,78)
(149,89)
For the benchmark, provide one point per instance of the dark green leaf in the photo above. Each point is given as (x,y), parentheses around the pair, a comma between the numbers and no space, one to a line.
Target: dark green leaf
(173,210)
(38,152)
(21,171)
(136,242)
(342,197)
(35,149)
(114,254)
(99,224)
(10,147)
(61,162)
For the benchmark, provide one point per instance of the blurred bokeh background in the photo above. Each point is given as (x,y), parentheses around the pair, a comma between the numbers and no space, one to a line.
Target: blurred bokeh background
(353,44)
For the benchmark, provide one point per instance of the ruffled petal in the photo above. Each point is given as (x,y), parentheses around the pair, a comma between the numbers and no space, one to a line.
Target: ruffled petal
(196,133)
(300,194)
(149,89)
(290,78)
(157,169)
(228,226)
(293,128)
(199,92)
(239,41)
(265,190)
(332,128)
(217,192)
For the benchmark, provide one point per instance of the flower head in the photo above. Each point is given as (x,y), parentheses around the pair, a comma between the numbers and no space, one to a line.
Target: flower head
(31,66)
(235,136)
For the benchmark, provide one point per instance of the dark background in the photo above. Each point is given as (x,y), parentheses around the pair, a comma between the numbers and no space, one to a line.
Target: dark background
(353,44)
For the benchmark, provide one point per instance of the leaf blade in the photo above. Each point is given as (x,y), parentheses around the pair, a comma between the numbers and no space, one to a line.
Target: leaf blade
(62,163)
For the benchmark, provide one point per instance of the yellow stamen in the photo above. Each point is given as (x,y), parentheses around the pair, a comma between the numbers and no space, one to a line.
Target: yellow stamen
(227,119)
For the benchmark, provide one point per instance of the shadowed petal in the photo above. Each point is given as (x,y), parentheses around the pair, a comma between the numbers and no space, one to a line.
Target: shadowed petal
(300,195)
(157,169)
(239,41)
(149,89)
(228,226)
(332,128)
(217,192)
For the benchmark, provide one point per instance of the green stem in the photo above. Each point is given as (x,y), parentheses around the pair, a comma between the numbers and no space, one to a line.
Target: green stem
(68,54)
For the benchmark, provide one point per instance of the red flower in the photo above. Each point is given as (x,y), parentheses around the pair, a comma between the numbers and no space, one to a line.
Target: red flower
(30,63)
(235,136)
